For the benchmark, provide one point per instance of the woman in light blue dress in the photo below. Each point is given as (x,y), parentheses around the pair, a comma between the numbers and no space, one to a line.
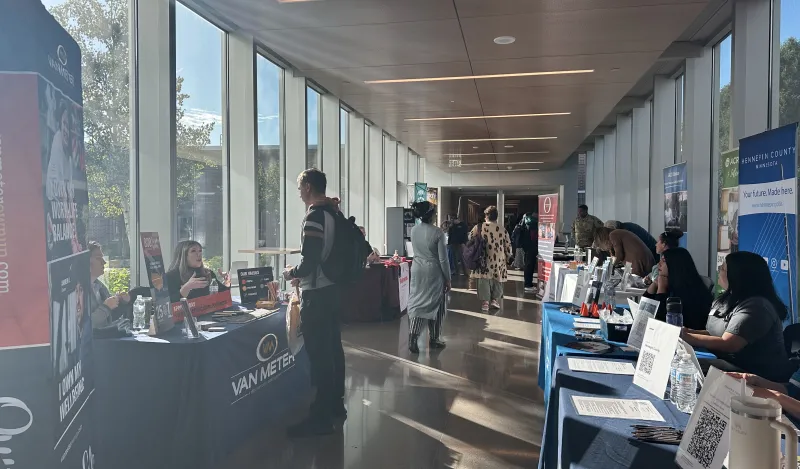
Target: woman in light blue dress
(430,278)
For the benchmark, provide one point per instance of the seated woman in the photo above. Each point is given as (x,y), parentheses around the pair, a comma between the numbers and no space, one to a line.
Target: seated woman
(187,277)
(104,307)
(745,326)
(626,247)
(666,240)
(678,277)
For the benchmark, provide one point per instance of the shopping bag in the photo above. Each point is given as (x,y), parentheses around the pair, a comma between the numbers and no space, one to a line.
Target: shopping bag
(294,324)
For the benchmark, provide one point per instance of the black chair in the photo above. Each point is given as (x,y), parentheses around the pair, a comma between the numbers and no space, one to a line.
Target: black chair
(791,339)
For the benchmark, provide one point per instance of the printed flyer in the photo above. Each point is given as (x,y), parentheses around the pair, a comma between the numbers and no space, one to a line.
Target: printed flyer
(676,200)
(728,209)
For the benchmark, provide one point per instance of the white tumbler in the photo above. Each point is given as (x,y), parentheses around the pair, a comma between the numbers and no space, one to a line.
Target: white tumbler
(756,435)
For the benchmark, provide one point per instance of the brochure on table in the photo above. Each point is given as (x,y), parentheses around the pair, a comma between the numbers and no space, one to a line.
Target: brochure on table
(601,366)
(642,312)
(655,357)
(629,409)
(706,440)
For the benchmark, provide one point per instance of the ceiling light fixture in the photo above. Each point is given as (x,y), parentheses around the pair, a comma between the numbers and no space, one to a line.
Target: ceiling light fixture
(503,40)
(474,148)
(506,153)
(477,77)
(492,140)
(509,146)
(503,116)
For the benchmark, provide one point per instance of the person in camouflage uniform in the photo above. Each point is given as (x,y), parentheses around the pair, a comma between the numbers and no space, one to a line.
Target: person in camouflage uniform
(583,227)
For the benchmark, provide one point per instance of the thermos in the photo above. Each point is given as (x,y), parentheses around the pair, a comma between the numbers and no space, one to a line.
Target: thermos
(756,435)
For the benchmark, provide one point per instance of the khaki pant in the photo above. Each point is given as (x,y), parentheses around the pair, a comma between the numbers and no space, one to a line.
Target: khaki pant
(489,289)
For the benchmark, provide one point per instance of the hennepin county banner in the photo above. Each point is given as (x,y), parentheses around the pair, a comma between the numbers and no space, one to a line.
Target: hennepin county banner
(768,205)
(46,383)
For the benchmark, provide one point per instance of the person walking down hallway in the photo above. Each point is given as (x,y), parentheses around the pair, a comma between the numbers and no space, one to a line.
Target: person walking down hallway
(494,272)
(430,279)
(584,226)
(526,238)
(319,307)
(456,239)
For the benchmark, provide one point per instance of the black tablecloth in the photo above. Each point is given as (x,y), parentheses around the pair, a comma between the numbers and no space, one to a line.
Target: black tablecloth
(186,403)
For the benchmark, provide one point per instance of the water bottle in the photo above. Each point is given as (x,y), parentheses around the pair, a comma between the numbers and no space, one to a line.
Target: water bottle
(686,391)
(610,295)
(138,313)
(674,311)
(672,390)
(213,287)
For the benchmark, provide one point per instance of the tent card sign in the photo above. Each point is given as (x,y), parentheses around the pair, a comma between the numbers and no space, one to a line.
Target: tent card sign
(626,275)
(642,313)
(655,357)
(580,287)
(706,440)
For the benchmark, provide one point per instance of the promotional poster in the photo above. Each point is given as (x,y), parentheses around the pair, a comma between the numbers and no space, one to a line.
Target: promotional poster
(768,206)
(253,283)
(728,209)
(676,200)
(156,274)
(46,390)
(548,219)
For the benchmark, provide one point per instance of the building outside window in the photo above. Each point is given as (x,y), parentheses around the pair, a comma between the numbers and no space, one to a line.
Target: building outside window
(313,137)
(199,133)
(344,167)
(106,122)
(789,81)
(724,90)
(269,89)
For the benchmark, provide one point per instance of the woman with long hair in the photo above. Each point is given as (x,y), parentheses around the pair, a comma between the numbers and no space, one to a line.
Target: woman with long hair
(187,277)
(745,327)
(669,239)
(430,278)
(678,277)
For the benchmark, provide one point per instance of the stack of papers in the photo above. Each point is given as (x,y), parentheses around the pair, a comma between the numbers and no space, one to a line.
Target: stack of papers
(616,408)
(601,366)
(586,323)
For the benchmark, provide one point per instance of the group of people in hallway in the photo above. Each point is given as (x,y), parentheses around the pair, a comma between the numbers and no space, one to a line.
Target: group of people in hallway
(742,323)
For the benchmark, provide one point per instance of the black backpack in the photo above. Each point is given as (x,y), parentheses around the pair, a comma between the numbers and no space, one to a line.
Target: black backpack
(348,256)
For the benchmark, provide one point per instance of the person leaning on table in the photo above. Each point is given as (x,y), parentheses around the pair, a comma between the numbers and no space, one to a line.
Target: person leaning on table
(626,247)
(745,328)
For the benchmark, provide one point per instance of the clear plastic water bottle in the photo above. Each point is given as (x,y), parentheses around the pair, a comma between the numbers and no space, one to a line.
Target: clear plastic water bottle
(674,311)
(138,313)
(686,396)
(213,287)
(672,390)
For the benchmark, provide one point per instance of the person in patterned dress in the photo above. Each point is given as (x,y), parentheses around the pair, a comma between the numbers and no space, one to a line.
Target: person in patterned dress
(493,274)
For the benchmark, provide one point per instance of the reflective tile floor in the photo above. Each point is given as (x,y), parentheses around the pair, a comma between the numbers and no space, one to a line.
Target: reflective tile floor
(475,404)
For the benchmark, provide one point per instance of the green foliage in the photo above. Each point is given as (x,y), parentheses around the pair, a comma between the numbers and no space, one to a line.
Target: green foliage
(790,82)
(213,263)
(118,280)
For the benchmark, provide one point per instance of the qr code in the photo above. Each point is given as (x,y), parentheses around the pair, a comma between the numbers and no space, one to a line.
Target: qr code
(706,437)
(646,360)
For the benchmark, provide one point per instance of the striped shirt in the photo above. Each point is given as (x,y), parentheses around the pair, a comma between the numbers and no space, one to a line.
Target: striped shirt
(318,232)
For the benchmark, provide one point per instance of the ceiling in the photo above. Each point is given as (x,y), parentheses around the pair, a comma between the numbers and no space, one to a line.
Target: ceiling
(340,44)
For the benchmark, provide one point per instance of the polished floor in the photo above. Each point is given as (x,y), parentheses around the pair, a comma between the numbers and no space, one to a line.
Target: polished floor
(475,404)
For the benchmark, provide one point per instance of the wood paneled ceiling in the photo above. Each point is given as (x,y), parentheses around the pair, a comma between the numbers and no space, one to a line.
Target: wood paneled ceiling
(341,44)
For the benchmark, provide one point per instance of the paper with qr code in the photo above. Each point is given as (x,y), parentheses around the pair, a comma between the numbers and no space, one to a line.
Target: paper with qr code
(655,357)
(706,440)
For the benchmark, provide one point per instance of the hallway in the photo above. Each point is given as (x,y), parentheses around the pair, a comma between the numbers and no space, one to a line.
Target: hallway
(476,404)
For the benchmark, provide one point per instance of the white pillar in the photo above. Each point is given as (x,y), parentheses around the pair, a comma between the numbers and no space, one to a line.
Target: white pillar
(330,141)
(623,174)
(390,168)
(153,198)
(697,151)
(356,195)
(663,147)
(501,207)
(377,192)
(590,169)
(596,206)
(640,166)
(413,166)
(401,186)
(610,176)
(295,161)
(242,148)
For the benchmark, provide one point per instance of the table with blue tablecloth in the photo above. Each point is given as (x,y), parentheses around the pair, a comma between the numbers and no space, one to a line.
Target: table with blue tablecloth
(176,402)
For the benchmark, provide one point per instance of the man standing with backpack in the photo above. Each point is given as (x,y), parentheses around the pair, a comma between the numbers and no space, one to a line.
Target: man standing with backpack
(333,252)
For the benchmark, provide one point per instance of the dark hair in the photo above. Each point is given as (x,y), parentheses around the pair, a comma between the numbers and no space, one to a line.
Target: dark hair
(748,277)
(584,207)
(314,178)
(684,279)
(94,245)
(601,239)
(670,237)
(424,211)
(491,213)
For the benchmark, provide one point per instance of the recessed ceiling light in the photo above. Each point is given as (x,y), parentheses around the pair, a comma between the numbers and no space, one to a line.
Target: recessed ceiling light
(509,146)
(503,116)
(503,40)
(474,148)
(477,77)
(491,140)
(505,153)
(615,69)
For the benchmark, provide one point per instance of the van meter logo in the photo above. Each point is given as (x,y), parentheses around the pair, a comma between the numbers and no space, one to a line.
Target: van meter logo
(6,434)
(267,347)
(548,205)
(62,55)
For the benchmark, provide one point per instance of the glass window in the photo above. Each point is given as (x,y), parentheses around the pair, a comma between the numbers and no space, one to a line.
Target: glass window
(313,137)
(344,167)
(106,125)
(366,175)
(199,136)
(789,97)
(680,101)
(724,88)
(269,88)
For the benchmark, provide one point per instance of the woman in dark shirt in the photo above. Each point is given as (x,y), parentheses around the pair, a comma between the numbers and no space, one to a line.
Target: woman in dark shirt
(745,326)
(678,277)
(187,277)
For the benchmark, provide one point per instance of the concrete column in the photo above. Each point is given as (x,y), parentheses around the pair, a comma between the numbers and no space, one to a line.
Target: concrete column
(596,206)
(295,161)
(401,185)
(356,195)
(329,150)
(390,168)
(610,176)
(624,176)
(501,207)
(590,169)
(153,198)
(242,148)
(663,147)
(640,166)
(376,194)
(413,167)
(697,151)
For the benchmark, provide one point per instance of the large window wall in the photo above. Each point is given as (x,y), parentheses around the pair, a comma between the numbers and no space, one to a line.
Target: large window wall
(789,57)
(680,118)
(269,92)
(724,94)
(344,167)
(313,129)
(101,30)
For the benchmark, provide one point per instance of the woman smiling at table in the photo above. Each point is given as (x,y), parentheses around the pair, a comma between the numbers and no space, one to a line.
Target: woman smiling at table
(745,325)
(678,277)
(187,277)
